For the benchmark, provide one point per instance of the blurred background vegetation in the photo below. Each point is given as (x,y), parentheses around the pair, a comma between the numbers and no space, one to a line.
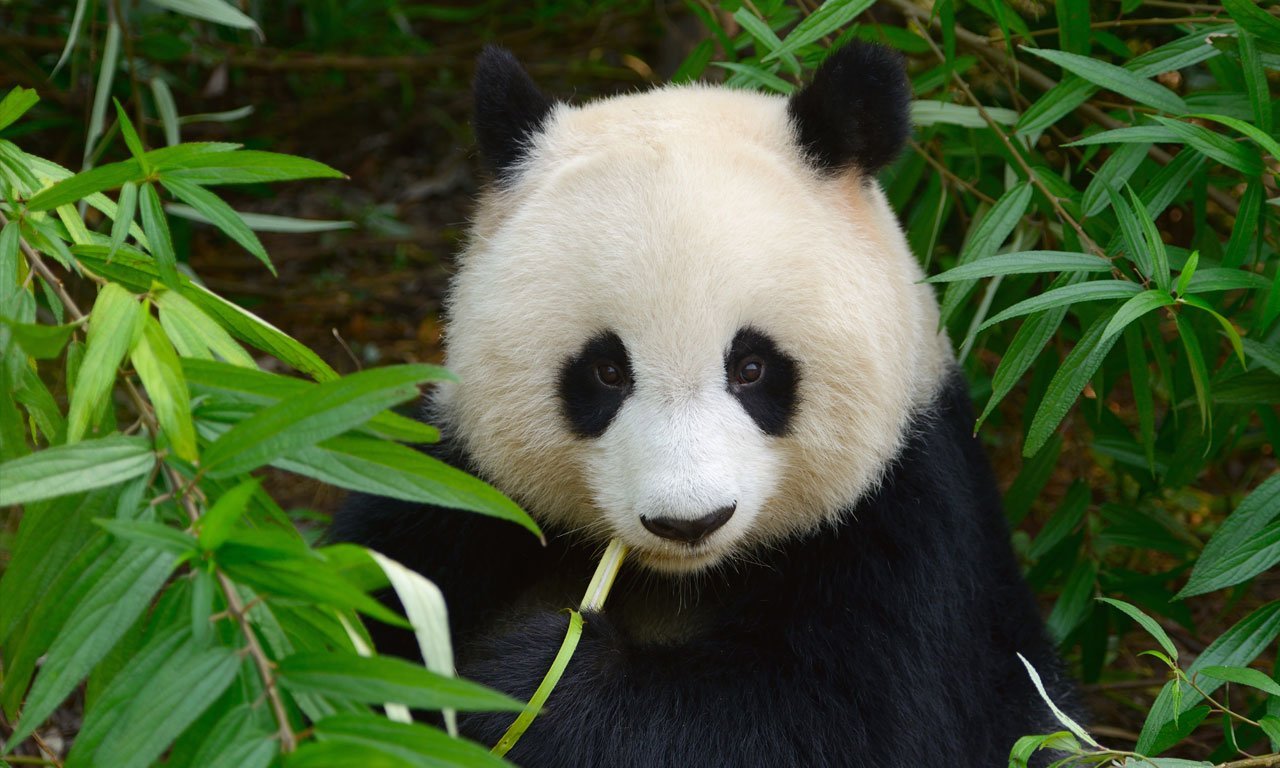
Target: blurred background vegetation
(1175,425)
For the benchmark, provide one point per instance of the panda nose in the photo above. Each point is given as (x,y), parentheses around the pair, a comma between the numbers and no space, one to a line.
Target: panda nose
(688,531)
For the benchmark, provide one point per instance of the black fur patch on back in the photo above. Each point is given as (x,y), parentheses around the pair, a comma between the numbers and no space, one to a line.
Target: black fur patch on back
(771,401)
(509,109)
(856,111)
(589,404)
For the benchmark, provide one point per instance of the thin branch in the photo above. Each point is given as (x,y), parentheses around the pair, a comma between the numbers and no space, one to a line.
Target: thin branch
(1151,22)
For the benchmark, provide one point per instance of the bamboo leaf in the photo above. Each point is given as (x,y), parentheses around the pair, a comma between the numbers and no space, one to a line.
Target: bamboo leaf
(18,100)
(216,523)
(1113,78)
(114,326)
(1077,368)
(829,17)
(1239,157)
(221,215)
(1097,290)
(375,679)
(414,743)
(322,412)
(1025,262)
(1135,308)
(242,167)
(157,365)
(1237,647)
(1199,372)
(217,11)
(1246,539)
(1147,623)
(97,623)
(157,229)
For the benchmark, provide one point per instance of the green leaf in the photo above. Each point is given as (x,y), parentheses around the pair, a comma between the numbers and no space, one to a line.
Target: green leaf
(1240,157)
(1113,78)
(1188,272)
(1266,355)
(1270,725)
(828,18)
(1228,329)
(195,334)
(1255,78)
(16,102)
(113,327)
(1195,360)
(167,109)
(97,623)
(216,523)
(221,215)
(1073,604)
(1024,262)
(84,184)
(1147,623)
(178,689)
(1073,25)
(1133,134)
(984,238)
(1246,228)
(157,365)
(765,37)
(1077,368)
(265,222)
(1253,19)
(925,112)
(376,679)
(67,469)
(102,90)
(1237,647)
(138,273)
(1243,676)
(157,229)
(131,139)
(1159,257)
(1256,134)
(388,469)
(1064,520)
(149,534)
(243,167)
(323,411)
(416,744)
(1140,382)
(1246,540)
(1114,173)
(126,210)
(1210,279)
(1027,343)
(1097,290)
(217,11)
(43,342)
(757,76)
(1135,308)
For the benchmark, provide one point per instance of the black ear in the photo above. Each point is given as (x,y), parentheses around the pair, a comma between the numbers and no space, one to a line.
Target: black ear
(509,109)
(856,111)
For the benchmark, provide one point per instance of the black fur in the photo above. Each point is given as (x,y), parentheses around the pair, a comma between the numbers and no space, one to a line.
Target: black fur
(588,403)
(887,640)
(771,401)
(856,110)
(509,110)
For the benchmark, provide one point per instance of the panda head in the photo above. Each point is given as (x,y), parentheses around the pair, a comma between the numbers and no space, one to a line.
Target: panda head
(687,317)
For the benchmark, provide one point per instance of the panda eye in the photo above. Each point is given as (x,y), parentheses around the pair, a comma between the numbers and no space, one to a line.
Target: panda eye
(610,374)
(749,370)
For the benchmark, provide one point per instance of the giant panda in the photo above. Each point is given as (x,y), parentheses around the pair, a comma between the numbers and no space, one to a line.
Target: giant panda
(687,318)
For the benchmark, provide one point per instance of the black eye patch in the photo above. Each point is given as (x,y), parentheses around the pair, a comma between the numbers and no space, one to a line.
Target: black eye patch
(769,393)
(594,383)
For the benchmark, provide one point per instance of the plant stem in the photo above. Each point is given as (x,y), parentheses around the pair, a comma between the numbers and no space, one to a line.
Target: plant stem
(288,740)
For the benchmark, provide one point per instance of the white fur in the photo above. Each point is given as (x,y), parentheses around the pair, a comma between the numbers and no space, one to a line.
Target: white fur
(675,218)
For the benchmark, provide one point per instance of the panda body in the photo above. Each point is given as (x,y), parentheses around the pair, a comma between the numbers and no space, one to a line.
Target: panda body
(688,319)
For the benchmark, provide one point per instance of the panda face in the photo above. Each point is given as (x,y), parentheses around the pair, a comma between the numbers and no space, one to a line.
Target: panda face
(672,327)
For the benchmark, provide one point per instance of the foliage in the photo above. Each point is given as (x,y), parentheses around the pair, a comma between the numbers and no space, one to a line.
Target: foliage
(1121,210)
(1097,200)
(150,565)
